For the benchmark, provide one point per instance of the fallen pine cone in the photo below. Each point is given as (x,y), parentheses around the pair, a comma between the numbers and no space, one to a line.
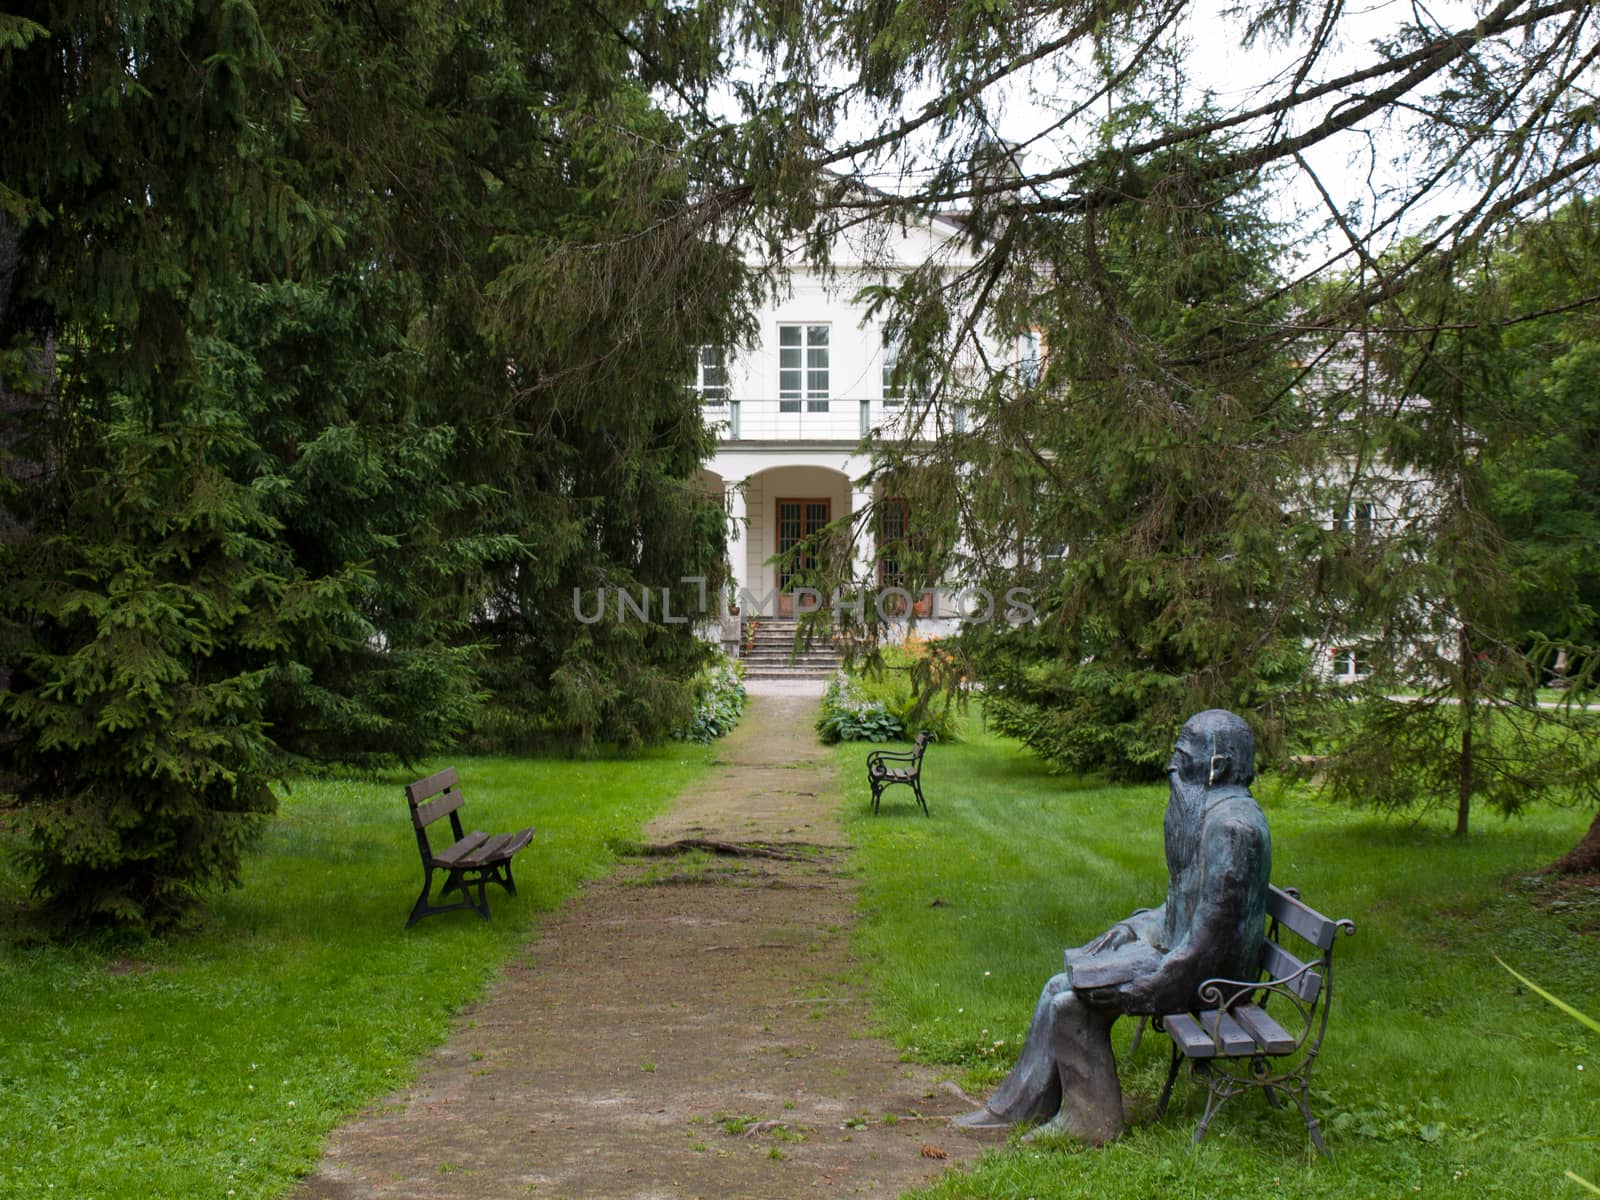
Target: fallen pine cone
(933,1152)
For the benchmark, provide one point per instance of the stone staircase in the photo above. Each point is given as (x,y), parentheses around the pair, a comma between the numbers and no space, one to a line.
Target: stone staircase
(766,652)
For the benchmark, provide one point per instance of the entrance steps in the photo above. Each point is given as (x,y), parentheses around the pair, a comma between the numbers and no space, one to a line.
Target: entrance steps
(767,650)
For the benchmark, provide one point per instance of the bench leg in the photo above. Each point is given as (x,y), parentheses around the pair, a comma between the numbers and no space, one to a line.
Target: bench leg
(1172,1077)
(504,878)
(916,786)
(877,793)
(482,906)
(422,908)
(1216,1097)
(457,880)
(1303,1099)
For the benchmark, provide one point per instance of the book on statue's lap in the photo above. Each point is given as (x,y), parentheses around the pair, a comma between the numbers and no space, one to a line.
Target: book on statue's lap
(1110,968)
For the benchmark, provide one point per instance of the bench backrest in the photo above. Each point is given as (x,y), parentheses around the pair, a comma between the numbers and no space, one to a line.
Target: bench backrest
(425,809)
(922,740)
(1286,911)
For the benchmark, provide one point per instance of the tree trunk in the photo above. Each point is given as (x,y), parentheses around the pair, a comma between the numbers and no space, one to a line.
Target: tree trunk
(1464,791)
(1584,858)
(10,264)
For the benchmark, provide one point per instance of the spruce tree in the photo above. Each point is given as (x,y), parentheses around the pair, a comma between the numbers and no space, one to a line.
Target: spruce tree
(1471,589)
(1156,457)
(144,596)
(319,399)
(1487,123)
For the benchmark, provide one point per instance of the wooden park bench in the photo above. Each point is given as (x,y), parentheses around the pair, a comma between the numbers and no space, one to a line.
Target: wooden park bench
(473,860)
(880,774)
(1238,1044)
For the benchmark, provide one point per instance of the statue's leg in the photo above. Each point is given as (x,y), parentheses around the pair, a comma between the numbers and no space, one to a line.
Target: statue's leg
(1091,1096)
(1032,1092)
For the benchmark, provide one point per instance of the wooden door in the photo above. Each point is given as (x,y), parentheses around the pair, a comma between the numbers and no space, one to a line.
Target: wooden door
(797,520)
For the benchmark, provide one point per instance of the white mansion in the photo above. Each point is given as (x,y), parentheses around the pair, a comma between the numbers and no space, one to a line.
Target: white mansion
(794,411)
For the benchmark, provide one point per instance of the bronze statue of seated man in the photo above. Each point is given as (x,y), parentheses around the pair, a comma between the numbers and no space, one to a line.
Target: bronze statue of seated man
(1219,862)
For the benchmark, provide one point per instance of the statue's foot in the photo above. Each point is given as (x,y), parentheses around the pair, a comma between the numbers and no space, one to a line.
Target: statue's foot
(1053,1128)
(1095,1133)
(981,1120)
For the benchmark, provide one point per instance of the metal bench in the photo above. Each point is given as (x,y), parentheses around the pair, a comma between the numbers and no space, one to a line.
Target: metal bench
(1237,1044)
(880,774)
(473,860)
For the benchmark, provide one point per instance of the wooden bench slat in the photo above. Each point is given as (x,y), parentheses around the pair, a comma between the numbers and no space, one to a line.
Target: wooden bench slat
(427,814)
(1191,1040)
(491,850)
(486,852)
(1247,1030)
(497,849)
(1224,1030)
(425,789)
(1278,963)
(1308,923)
(1268,1034)
(452,856)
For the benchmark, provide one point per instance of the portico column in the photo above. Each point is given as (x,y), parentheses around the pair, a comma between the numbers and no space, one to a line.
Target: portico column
(866,539)
(738,555)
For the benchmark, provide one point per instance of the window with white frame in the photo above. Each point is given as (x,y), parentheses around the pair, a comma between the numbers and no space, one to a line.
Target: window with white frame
(803,367)
(894,534)
(1350,662)
(710,375)
(894,390)
(1357,517)
(1028,357)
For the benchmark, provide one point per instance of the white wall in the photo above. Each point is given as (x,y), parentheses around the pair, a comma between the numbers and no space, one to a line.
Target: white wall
(808,455)
(865,256)
(761,505)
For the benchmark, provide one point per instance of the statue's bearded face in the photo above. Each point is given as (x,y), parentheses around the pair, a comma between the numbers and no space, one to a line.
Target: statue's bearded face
(1189,771)
(1191,759)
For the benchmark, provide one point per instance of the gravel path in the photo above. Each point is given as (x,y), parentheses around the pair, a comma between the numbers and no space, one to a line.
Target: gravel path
(692,1026)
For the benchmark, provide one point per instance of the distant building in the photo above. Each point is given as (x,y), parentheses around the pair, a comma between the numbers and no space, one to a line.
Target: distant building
(795,414)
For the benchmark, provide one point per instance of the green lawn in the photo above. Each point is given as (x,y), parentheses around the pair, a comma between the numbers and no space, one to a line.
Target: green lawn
(215,1065)
(1440,1075)
(219,1062)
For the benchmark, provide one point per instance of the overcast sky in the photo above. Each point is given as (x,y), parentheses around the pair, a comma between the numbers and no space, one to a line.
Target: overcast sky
(1353,166)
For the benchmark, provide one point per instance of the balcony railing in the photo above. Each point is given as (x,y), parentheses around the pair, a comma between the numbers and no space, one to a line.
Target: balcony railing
(764,420)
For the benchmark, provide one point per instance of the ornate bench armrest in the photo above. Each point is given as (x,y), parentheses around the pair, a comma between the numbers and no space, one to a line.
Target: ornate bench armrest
(1226,993)
(1302,984)
(1277,1015)
(883,756)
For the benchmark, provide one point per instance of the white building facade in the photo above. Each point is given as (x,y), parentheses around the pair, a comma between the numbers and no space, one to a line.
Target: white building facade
(795,413)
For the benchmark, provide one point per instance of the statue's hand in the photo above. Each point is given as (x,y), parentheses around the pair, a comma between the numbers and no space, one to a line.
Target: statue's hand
(1101,997)
(1124,997)
(1118,935)
(1134,996)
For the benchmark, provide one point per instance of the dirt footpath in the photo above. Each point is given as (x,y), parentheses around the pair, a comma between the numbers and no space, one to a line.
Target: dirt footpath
(688,1027)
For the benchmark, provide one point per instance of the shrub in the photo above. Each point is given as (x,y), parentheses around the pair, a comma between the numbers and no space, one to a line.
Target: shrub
(848,716)
(902,691)
(721,696)
(921,683)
